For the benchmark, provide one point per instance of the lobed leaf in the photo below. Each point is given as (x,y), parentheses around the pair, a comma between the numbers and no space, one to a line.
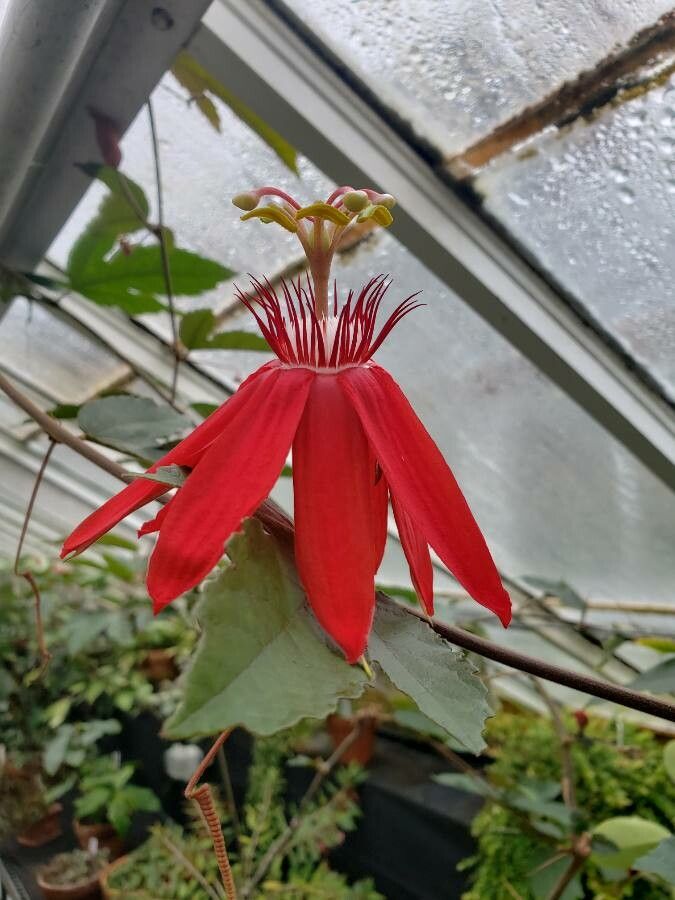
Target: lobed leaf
(131,424)
(261,662)
(441,680)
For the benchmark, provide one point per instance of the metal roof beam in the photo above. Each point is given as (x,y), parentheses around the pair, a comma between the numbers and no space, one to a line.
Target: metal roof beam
(64,59)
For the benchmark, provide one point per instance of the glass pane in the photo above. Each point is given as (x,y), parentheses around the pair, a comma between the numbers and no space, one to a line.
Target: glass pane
(458,69)
(54,358)
(595,206)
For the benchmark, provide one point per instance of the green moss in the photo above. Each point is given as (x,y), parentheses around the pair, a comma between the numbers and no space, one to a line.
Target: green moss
(616,773)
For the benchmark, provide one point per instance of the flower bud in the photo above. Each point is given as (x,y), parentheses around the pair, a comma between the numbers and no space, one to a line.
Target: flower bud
(247,200)
(581,717)
(355,201)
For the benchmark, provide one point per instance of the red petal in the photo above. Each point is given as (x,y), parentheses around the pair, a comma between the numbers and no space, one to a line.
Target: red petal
(423,484)
(230,481)
(142,491)
(416,550)
(155,524)
(340,516)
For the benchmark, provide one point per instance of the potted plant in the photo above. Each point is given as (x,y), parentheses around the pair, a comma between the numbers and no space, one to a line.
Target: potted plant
(342,723)
(73,875)
(25,810)
(165,643)
(107,803)
(169,861)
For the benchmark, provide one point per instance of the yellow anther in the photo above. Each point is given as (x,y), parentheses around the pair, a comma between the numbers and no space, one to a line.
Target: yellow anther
(273,214)
(323,211)
(355,201)
(247,200)
(378,212)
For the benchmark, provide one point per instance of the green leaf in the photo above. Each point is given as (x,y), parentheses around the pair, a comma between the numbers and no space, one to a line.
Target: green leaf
(204,409)
(94,729)
(545,874)
(173,475)
(122,212)
(660,861)
(558,589)
(64,411)
(238,340)
(94,801)
(132,280)
(417,721)
(56,749)
(131,424)
(669,759)
(440,679)
(195,334)
(126,802)
(464,782)
(112,540)
(56,713)
(261,662)
(394,590)
(118,568)
(199,83)
(195,328)
(119,815)
(632,836)
(120,186)
(540,806)
(660,644)
(84,628)
(660,679)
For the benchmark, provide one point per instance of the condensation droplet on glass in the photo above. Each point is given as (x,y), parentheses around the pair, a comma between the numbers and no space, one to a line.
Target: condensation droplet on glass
(618,175)
(517,200)
(667,146)
(627,196)
(636,119)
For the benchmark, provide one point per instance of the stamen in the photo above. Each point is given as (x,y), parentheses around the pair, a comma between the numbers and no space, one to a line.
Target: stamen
(299,337)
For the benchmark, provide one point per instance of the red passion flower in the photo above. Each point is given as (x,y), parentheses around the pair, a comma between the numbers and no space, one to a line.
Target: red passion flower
(356,443)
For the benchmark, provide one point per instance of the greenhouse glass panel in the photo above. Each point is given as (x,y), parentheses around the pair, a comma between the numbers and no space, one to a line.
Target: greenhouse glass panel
(594,205)
(52,357)
(457,70)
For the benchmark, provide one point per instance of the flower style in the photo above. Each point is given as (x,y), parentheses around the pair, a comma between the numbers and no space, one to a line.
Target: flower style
(356,444)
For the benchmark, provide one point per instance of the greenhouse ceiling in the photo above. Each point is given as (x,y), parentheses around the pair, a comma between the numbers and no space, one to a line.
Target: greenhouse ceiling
(531,148)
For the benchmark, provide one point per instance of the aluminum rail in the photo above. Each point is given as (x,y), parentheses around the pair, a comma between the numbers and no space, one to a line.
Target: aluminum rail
(62,59)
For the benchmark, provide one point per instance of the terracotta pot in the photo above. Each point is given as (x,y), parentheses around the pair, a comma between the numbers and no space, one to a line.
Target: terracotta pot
(159,665)
(108,892)
(85,890)
(361,750)
(104,833)
(44,830)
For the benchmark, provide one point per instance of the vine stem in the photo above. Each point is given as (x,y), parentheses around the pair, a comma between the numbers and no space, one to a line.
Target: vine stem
(565,739)
(160,234)
(203,797)
(45,655)
(277,522)
(580,853)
